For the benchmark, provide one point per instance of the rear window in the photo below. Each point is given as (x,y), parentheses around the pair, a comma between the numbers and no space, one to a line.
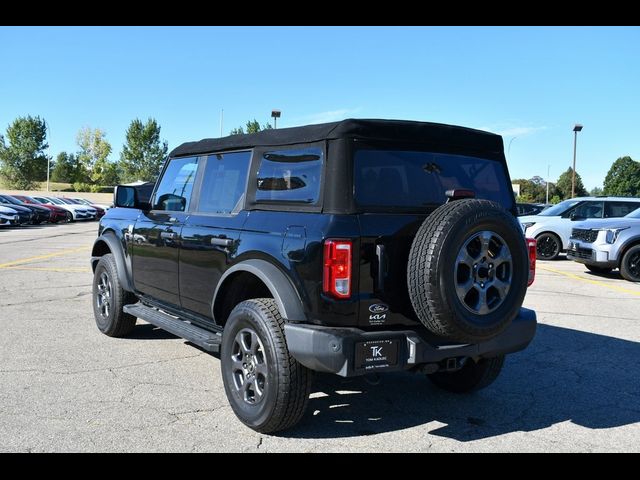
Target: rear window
(399,179)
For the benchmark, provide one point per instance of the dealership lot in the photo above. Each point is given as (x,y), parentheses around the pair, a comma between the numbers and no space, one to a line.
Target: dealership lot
(66,387)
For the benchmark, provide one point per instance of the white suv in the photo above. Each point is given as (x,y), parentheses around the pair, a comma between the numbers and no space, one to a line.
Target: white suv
(552,227)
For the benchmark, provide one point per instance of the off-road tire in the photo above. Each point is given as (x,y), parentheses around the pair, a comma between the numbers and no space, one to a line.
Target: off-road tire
(431,272)
(116,323)
(288,384)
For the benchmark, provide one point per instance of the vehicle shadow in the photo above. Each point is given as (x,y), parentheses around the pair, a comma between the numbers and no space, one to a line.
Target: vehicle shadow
(146,331)
(565,375)
(615,275)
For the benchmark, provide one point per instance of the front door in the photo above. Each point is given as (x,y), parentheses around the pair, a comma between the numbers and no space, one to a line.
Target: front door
(211,235)
(155,239)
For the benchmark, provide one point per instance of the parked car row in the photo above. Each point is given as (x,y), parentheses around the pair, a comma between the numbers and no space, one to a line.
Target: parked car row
(17,210)
(603,233)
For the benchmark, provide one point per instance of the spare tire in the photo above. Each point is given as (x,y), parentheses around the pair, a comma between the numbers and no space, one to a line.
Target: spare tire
(468,270)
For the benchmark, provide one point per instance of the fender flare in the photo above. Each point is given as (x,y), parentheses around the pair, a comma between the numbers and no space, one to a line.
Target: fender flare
(115,246)
(284,293)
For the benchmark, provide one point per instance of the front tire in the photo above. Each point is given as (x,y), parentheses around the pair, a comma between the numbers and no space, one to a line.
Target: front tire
(473,376)
(630,264)
(548,247)
(267,388)
(109,298)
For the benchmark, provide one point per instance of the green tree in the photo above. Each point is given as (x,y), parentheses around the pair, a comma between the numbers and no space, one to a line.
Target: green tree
(143,152)
(563,186)
(596,191)
(93,155)
(252,127)
(23,161)
(534,190)
(66,168)
(623,178)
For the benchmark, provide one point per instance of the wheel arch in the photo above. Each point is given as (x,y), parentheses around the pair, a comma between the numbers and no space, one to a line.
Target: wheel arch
(108,243)
(625,248)
(270,278)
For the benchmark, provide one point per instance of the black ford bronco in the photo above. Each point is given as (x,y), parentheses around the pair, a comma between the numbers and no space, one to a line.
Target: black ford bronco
(354,247)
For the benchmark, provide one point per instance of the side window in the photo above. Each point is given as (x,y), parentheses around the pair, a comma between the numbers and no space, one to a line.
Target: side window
(590,210)
(174,192)
(225,179)
(290,176)
(619,209)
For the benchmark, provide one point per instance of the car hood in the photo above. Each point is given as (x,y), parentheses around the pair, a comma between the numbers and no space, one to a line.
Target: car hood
(7,210)
(537,218)
(607,223)
(17,208)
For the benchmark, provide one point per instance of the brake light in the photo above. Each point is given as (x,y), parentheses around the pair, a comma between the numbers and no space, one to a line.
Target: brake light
(531,246)
(336,278)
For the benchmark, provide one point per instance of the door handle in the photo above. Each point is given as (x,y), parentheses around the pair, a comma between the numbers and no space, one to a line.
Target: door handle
(169,235)
(221,241)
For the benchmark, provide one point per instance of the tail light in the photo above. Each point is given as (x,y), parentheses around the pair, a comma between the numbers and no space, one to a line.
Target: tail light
(336,278)
(531,246)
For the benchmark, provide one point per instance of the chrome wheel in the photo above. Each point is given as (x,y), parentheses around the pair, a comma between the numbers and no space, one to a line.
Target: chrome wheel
(104,295)
(483,271)
(249,366)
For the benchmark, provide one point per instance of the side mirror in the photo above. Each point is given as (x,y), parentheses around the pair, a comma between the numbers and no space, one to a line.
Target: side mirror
(575,217)
(126,196)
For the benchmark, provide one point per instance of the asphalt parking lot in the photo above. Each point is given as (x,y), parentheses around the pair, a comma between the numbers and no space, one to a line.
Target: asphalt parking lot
(66,387)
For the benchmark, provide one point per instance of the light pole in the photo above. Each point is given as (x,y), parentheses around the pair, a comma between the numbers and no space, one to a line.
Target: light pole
(509,147)
(576,128)
(276,115)
(548,168)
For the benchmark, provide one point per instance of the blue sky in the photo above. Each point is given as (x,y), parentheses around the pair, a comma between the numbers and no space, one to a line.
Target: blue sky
(528,84)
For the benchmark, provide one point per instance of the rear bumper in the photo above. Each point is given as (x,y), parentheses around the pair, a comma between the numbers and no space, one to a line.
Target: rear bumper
(329,349)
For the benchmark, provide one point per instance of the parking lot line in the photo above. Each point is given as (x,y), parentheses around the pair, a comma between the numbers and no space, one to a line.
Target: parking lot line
(42,257)
(48,269)
(588,280)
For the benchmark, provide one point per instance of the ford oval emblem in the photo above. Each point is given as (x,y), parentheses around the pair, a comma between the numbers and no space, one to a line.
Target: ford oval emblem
(378,308)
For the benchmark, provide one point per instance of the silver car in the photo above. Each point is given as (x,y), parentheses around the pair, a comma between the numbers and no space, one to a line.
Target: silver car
(603,245)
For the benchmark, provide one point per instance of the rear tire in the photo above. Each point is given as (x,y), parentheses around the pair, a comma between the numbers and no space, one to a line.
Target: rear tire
(109,298)
(471,377)
(630,264)
(598,270)
(548,247)
(267,388)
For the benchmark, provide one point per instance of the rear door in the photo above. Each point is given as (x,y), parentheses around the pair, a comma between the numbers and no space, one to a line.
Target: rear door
(211,235)
(398,189)
(155,239)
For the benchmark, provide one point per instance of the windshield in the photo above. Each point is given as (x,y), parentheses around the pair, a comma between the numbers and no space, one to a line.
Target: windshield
(413,180)
(56,201)
(634,214)
(83,201)
(71,200)
(559,209)
(9,199)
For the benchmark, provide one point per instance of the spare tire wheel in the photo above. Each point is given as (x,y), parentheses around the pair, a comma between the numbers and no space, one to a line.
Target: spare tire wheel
(468,270)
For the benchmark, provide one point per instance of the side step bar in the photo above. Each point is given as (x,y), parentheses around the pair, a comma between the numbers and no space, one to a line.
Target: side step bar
(209,341)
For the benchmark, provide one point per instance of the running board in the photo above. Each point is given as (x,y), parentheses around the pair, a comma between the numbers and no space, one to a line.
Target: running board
(209,341)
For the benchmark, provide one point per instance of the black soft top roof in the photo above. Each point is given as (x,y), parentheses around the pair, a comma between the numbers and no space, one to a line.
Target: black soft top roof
(394,130)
